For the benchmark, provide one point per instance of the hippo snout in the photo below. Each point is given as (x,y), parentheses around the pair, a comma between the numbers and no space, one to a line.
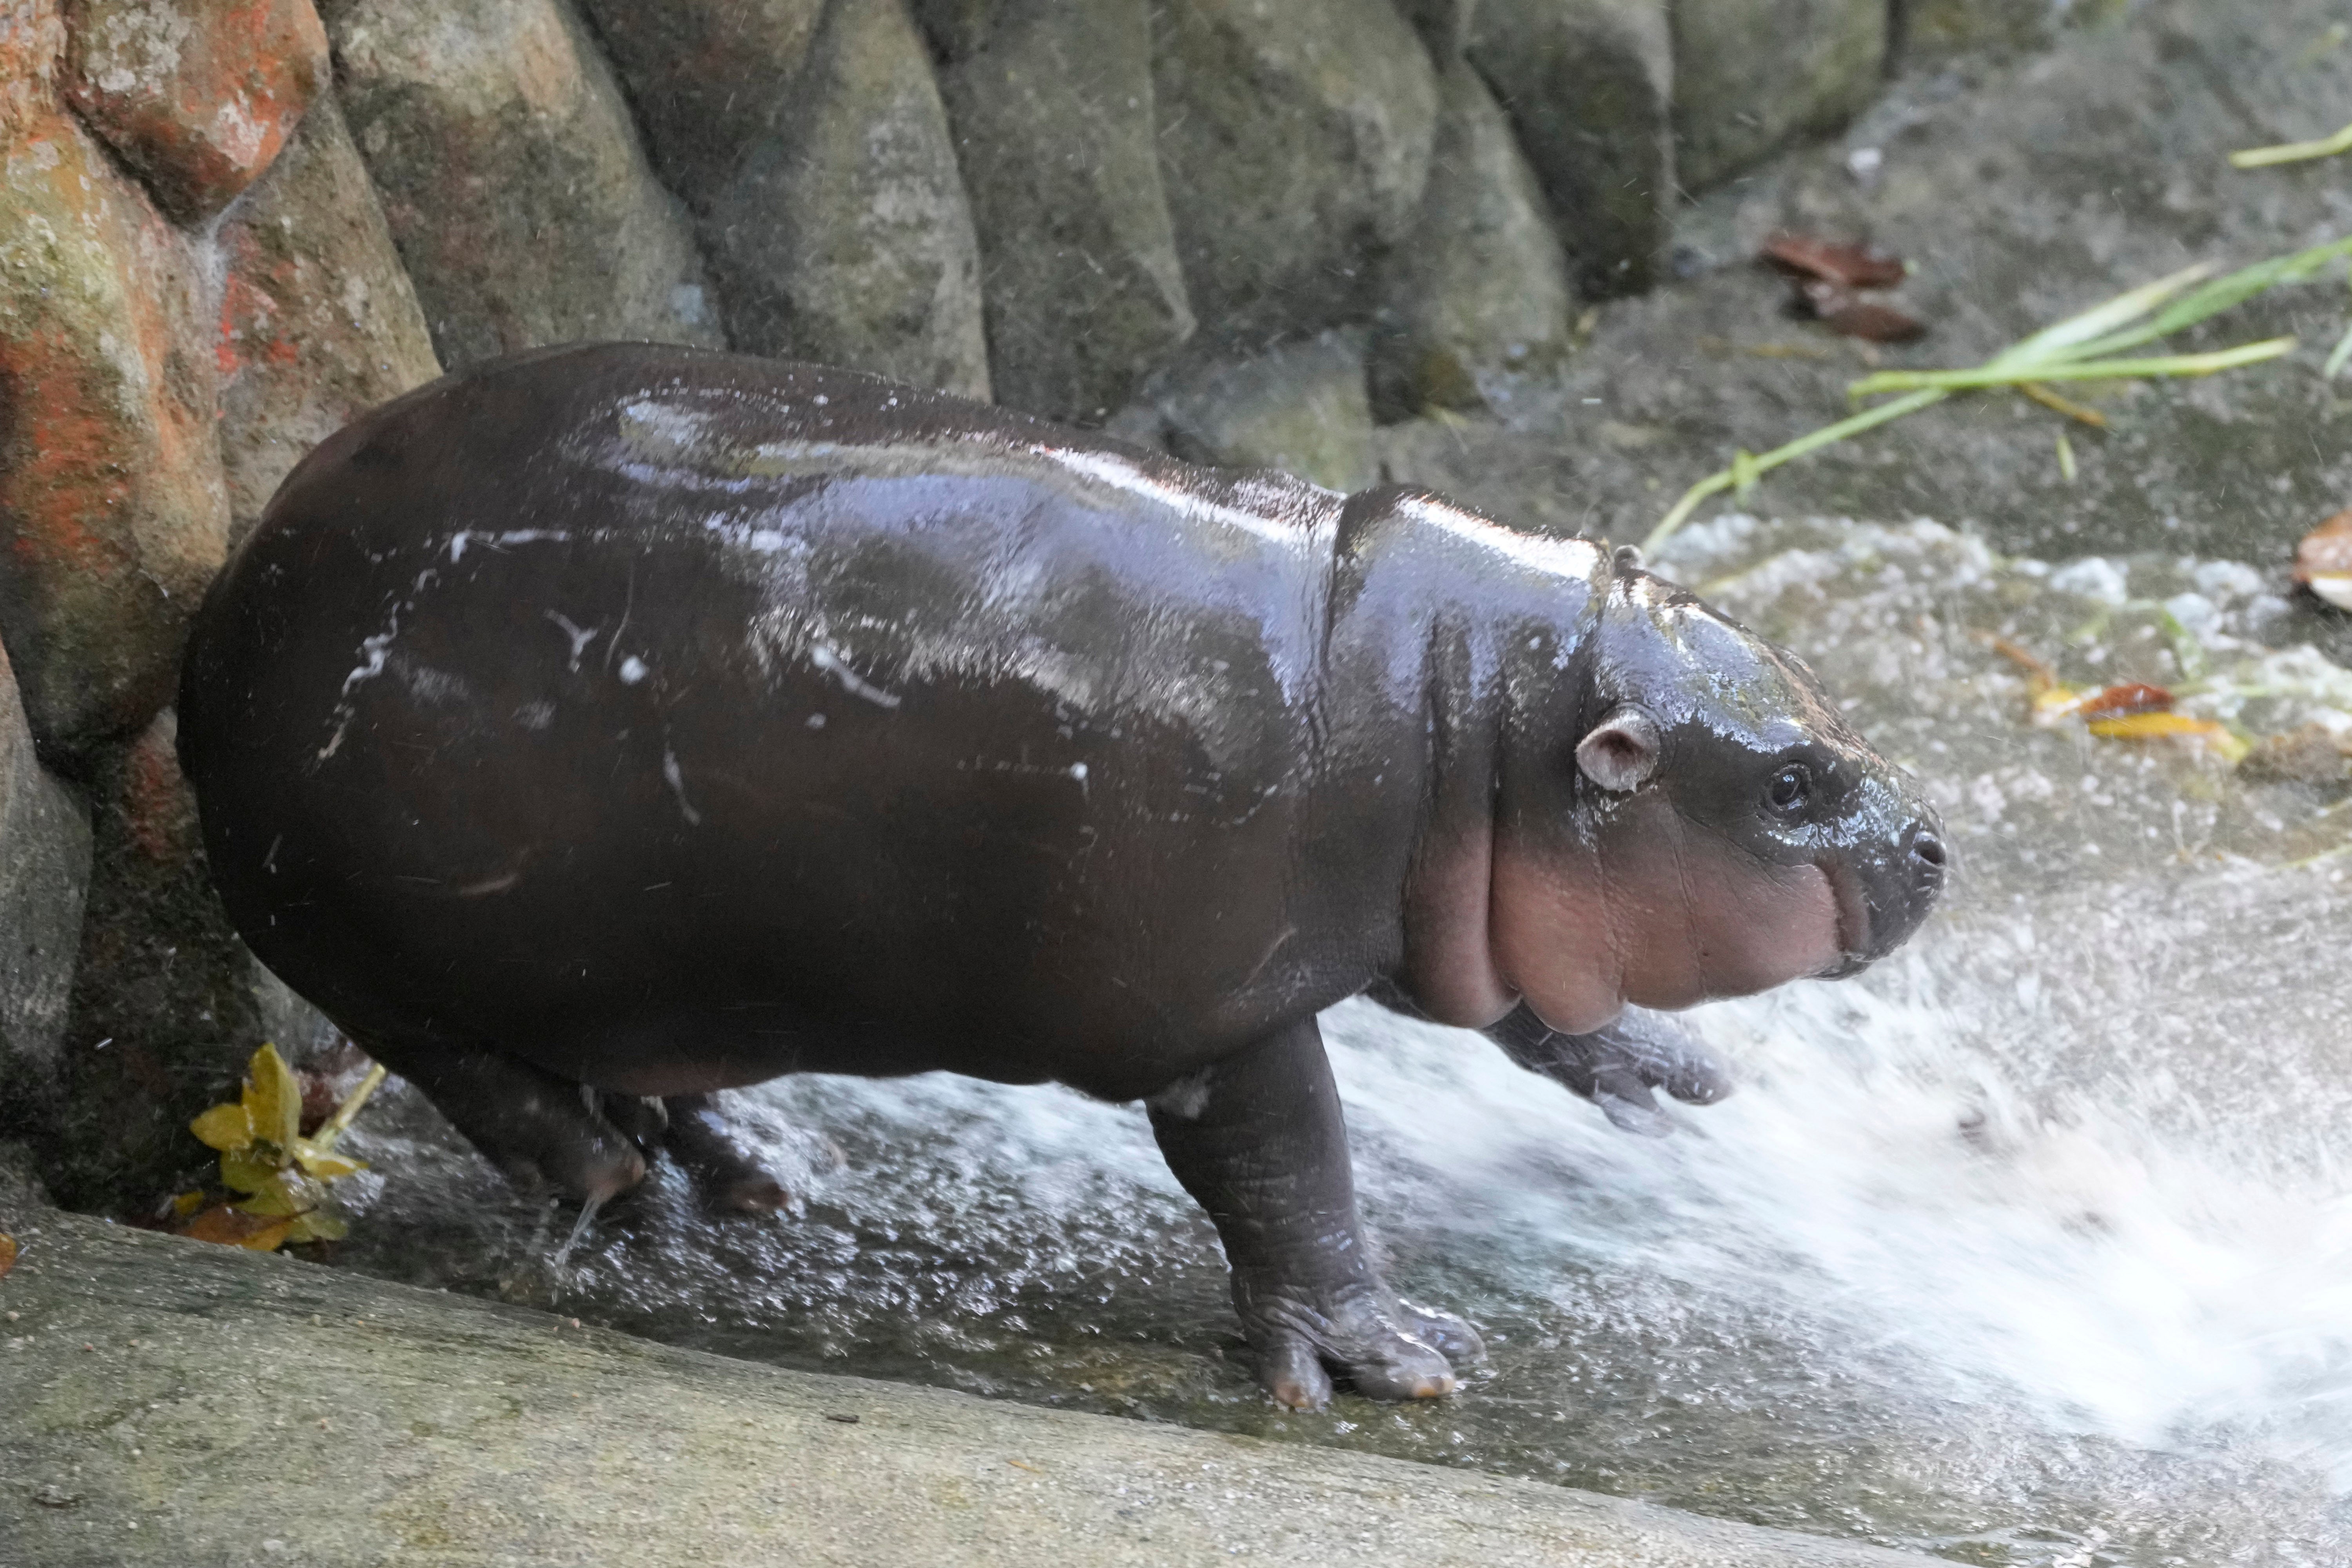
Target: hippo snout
(1882,898)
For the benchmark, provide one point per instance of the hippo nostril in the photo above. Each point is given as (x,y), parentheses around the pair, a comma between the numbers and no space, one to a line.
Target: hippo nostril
(1927,849)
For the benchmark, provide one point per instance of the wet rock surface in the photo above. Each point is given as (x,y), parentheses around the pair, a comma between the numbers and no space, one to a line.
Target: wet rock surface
(112,503)
(1750,80)
(844,236)
(319,322)
(1293,148)
(458,1432)
(1588,86)
(166,1002)
(1302,408)
(198,98)
(513,178)
(44,878)
(1052,111)
(1483,289)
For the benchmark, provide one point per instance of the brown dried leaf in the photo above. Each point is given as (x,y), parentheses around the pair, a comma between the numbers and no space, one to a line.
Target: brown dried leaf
(227,1227)
(8,1254)
(1873,322)
(2123,702)
(1847,262)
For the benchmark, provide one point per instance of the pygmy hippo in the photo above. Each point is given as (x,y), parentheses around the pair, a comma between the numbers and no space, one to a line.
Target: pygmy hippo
(621,723)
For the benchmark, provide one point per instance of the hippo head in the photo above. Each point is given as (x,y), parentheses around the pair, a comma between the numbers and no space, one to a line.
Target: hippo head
(1686,817)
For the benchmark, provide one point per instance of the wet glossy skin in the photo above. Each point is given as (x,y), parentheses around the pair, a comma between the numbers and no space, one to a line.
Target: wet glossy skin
(660,720)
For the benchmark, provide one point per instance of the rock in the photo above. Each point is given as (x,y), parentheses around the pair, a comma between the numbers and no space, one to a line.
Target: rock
(816,154)
(44,878)
(1588,86)
(1751,76)
(1302,408)
(1928,30)
(1443,26)
(708,78)
(1483,286)
(1052,109)
(111,507)
(512,178)
(846,237)
(1294,146)
(317,321)
(197,95)
(377,1423)
(163,1012)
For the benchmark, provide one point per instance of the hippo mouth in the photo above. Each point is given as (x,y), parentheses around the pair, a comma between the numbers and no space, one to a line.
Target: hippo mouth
(1852,921)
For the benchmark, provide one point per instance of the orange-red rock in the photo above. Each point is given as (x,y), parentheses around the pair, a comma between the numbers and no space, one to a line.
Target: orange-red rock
(198,96)
(112,516)
(318,321)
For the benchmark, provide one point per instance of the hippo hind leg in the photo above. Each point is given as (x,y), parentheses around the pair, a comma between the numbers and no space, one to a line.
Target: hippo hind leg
(730,1178)
(1259,1141)
(543,1132)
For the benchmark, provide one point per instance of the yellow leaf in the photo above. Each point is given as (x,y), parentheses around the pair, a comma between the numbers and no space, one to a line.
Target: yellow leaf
(224,1224)
(2055,702)
(318,1225)
(187,1203)
(273,1098)
(249,1170)
(224,1127)
(2161,726)
(269,1238)
(289,1192)
(325,1166)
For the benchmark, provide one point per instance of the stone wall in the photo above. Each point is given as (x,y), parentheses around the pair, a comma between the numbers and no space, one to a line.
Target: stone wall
(1236,228)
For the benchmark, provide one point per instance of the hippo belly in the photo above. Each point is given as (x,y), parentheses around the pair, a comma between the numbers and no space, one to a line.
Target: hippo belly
(667,775)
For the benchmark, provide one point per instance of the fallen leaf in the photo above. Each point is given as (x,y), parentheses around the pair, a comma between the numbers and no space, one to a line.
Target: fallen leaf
(229,1227)
(2323,561)
(224,1127)
(1873,322)
(1837,261)
(273,1098)
(2124,701)
(2172,726)
(7,1253)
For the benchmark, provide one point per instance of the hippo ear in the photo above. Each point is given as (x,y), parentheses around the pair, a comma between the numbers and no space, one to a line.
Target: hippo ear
(1622,751)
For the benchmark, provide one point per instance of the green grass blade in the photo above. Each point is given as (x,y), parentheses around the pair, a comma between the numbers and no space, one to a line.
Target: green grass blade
(2099,320)
(1763,463)
(2074,370)
(2217,296)
(2293,152)
(2341,352)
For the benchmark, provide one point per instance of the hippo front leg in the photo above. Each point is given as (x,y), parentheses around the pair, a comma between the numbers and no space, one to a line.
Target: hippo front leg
(1616,1067)
(1259,1141)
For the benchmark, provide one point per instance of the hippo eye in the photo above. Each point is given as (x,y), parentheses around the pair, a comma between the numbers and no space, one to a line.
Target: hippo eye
(1792,789)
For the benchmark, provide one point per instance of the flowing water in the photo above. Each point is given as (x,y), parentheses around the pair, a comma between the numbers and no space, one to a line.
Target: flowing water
(2031,1246)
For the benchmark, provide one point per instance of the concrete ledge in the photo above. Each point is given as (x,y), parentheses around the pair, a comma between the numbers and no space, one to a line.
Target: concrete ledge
(163,1402)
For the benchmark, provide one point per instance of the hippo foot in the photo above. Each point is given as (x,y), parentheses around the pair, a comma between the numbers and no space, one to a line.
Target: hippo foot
(1620,1067)
(730,1177)
(545,1134)
(1384,1348)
